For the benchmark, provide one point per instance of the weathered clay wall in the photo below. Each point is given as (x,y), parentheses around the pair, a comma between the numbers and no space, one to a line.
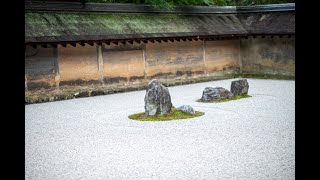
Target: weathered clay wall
(78,65)
(268,55)
(222,56)
(40,68)
(123,63)
(135,63)
(174,59)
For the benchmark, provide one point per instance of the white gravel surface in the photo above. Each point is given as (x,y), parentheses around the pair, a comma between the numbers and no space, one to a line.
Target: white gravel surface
(92,138)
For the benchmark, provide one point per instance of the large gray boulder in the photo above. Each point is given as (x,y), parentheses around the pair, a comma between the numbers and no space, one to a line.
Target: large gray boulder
(239,87)
(210,94)
(186,109)
(157,99)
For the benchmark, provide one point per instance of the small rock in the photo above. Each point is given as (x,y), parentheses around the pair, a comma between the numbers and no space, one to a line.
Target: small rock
(97,93)
(210,93)
(239,87)
(187,109)
(51,99)
(84,94)
(157,99)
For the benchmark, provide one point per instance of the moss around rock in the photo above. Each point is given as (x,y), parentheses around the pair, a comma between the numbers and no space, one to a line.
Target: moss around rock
(226,99)
(173,115)
(261,76)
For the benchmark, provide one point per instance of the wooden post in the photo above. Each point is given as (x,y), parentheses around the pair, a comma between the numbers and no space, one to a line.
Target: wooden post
(240,59)
(25,83)
(100,63)
(204,56)
(56,66)
(144,60)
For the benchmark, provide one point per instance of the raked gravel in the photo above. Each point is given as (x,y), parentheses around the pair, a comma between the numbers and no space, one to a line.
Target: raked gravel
(92,138)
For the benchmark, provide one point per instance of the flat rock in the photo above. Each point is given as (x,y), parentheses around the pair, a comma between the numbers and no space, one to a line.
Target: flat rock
(157,99)
(239,87)
(187,109)
(211,93)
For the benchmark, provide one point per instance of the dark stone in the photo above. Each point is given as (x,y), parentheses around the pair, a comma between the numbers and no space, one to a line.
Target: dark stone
(97,93)
(157,99)
(210,93)
(239,87)
(186,109)
(59,97)
(83,94)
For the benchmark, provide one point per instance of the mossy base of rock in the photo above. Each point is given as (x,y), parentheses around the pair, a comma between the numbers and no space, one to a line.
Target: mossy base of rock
(173,115)
(262,76)
(226,99)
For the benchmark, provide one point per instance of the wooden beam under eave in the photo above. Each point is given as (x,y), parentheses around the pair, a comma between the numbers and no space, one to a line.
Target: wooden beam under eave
(165,40)
(54,45)
(115,42)
(107,43)
(63,44)
(82,43)
(44,45)
(151,41)
(91,43)
(73,44)
(145,41)
(172,40)
(123,42)
(137,41)
(131,42)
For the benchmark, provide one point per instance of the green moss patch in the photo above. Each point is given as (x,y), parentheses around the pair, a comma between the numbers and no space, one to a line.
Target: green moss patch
(173,115)
(227,99)
(262,76)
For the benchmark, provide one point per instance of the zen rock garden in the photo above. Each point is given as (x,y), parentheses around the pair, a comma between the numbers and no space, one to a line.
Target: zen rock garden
(158,105)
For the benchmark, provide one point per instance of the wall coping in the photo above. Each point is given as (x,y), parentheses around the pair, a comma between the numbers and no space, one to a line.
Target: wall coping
(143,8)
